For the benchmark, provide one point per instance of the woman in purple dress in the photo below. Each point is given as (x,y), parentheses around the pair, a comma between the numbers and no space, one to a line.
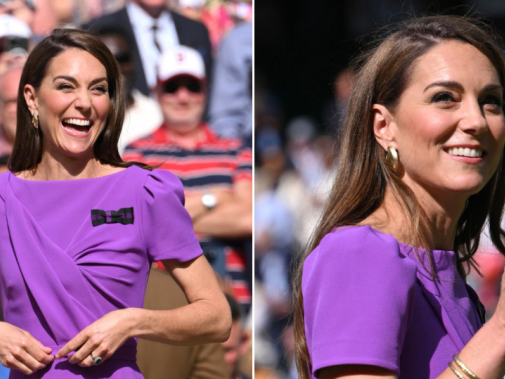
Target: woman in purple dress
(79,228)
(381,292)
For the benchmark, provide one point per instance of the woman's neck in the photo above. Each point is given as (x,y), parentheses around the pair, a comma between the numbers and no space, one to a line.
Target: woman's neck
(63,168)
(439,219)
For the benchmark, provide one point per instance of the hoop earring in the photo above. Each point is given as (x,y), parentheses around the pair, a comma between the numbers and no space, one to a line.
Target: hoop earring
(35,120)
(392,157)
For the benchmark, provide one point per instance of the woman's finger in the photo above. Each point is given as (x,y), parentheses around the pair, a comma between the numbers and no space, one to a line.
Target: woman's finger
(85,350)
(39,354)
(45,349)
(27,360)
(14,364)
(93,359)
(72,345)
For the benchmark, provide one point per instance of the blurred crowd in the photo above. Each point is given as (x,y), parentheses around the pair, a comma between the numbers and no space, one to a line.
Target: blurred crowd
(187,73)
(294,172)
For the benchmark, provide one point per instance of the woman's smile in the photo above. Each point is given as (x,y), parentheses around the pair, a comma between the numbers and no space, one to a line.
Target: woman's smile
(77,127)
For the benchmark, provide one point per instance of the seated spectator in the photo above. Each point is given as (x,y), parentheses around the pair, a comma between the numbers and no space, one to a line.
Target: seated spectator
(216,173)
(152,29)
(14,42)
(231,101)
(9,84)
(234,348)
(143,114)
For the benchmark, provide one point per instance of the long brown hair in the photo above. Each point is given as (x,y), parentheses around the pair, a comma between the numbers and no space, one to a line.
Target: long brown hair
(363,172)
(27,150)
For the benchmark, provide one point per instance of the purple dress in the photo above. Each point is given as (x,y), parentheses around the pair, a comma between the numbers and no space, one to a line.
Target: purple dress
(369,300)
(72,251)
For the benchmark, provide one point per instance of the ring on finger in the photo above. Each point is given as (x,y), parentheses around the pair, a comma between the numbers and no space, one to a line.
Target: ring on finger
(96,360)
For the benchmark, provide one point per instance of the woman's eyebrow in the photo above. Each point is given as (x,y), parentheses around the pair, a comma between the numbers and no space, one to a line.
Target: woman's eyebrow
(449,84)
(73,80)
(492,87)
(458,87)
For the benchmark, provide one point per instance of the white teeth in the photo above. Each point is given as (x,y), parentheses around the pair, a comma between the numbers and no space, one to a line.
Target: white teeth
(76,121)
(74,131)
(465,152)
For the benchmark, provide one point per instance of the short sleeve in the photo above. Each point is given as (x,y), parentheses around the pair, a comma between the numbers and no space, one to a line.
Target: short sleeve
(166,225)
(358,295)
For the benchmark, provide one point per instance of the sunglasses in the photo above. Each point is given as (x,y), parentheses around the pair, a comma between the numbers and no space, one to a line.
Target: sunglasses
(192,85)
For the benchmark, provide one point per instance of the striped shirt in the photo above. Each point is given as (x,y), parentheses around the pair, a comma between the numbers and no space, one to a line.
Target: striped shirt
(213,162)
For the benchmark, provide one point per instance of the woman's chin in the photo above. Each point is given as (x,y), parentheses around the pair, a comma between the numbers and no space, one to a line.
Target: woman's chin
(74,152)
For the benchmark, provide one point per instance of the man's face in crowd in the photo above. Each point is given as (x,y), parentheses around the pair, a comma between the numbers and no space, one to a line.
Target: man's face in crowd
(182,100)
(9,84)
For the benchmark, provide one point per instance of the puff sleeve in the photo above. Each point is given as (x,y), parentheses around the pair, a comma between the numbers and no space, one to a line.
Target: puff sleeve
(166,225)
(358,295)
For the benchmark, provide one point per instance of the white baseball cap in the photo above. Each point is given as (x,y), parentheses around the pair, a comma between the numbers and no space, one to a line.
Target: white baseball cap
(180,61)
(12,26)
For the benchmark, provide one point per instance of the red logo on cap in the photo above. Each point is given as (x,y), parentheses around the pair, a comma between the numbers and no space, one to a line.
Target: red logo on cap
(179,57)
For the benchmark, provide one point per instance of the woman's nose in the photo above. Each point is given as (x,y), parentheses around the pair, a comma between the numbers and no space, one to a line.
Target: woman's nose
(83,100)
(474,120)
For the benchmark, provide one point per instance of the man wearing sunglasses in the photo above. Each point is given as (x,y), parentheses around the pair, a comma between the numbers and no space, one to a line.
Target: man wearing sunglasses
(216,172)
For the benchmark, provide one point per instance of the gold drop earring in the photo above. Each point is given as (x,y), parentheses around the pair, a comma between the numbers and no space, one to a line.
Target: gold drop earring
(35,120)
(392,157)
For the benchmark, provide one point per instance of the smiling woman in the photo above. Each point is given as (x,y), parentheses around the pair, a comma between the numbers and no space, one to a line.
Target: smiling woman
(73,106)
(79,229)
(381,291)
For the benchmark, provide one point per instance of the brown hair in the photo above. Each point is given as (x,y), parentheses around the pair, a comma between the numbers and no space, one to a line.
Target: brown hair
(27,149)
(363,172)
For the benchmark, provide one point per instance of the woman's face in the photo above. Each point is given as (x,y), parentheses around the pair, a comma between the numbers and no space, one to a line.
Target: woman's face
(72,103)
(449,127)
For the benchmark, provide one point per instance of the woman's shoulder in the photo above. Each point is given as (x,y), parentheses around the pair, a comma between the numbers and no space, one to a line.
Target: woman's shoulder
(357,239)
(159,180)
(359,248)
(4,178)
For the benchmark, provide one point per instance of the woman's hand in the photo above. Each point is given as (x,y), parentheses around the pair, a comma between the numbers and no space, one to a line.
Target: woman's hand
(102,338)
(20,351)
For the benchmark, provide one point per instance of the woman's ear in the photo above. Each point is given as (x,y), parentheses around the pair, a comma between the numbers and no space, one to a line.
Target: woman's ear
(384,126)
(31,98)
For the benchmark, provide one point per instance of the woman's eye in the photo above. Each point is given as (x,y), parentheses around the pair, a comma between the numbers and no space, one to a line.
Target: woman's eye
(442,97)
(494,100)
(100,89)
(64,86)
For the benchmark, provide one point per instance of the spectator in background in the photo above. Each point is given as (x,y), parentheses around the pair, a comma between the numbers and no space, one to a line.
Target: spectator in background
(14,42)
(235,346)
(143,114)
(151,30)
(334,111)
(216,173)
(9,84)
(219,16)
(23,10)
(231,100)
(191,8)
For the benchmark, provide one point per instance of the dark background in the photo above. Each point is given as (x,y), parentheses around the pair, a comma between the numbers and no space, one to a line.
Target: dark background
(301,45)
